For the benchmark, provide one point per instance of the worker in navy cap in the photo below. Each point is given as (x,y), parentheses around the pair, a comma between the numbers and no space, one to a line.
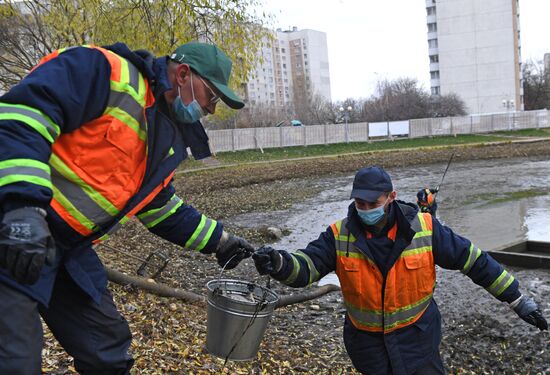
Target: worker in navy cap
(384,252)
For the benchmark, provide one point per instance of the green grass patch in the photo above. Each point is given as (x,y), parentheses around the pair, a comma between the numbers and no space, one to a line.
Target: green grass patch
(526,133)
(345,148)
(508,197)
(191,163)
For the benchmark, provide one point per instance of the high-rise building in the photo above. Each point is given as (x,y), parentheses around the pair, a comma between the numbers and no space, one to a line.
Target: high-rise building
(295,67)
(475,52)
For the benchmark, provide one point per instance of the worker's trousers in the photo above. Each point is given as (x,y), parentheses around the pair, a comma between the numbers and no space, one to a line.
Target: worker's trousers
(97,336)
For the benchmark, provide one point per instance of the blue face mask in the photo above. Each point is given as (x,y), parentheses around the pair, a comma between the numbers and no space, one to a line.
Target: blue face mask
(190,113)
(372,216)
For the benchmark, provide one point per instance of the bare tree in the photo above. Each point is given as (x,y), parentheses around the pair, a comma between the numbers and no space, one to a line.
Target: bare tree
(446,106)
(400,99)
(404,99)
(319,111)
(536,86)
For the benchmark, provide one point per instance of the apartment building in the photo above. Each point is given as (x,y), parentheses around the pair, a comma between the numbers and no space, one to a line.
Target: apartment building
(295,67)
(475,51)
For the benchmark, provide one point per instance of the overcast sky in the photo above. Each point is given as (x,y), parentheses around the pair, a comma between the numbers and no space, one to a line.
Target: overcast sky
(375,39)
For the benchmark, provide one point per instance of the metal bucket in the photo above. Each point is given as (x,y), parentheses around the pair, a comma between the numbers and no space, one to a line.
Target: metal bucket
(237,316)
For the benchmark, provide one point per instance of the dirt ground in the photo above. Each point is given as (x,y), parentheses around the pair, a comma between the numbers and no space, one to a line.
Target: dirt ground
(480,335)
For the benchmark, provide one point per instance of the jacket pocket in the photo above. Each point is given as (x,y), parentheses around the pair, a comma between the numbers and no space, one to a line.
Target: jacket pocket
(110,156)
(421,274)
(416,262)
(350,276)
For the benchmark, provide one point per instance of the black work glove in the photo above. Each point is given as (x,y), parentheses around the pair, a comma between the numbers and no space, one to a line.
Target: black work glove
(425,198)
(268,260)
(528,310)
(232,249)
(26,243)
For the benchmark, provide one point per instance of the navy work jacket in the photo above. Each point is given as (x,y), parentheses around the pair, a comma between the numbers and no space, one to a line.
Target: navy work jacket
(73,89)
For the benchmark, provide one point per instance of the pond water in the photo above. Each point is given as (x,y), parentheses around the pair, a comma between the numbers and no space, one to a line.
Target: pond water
(491,202)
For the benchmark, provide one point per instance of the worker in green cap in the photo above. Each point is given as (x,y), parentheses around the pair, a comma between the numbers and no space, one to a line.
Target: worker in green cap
(90,138)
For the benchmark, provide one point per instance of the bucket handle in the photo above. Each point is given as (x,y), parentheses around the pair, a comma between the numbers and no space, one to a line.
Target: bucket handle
(218,290)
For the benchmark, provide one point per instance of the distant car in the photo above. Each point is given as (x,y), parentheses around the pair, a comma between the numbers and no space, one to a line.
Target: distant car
(296,123)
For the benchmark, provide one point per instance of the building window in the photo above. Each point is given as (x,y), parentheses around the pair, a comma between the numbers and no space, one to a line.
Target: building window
(430,11)
(434,74)
(283,50)
(434,58)
(432,43)
(432,27)
(436,90)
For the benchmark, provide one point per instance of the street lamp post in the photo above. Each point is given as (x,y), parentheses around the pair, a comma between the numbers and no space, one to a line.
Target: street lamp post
(345,112)
(509,105)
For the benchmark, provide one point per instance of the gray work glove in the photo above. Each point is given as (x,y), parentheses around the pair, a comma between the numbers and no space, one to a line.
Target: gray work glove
(268,260)
(26,243)
(528,310)
(231,250)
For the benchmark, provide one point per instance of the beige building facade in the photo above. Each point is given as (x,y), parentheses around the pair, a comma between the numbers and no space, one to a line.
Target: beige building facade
(295,67)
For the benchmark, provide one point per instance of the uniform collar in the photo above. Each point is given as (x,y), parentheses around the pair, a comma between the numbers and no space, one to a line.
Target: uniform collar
(162,83)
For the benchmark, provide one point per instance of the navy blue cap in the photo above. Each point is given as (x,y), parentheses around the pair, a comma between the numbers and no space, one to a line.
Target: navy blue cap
(370,183)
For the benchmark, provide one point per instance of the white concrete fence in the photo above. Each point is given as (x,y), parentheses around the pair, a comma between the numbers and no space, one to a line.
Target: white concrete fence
(255,138)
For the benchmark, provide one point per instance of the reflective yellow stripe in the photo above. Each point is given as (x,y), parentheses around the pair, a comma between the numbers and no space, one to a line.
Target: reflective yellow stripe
(71,177)
(157,215)
(422,222)
(420,250)
(313,273)
(25,170)
(501,283)
(473,254)
(32,117)
(72,209)
(125,87)
(295,270)
(202,234)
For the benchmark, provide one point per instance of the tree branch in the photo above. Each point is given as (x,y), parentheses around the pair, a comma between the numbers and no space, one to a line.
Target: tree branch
(162,290)
(306,296)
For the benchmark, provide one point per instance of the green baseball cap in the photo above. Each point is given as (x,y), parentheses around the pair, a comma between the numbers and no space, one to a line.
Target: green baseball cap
(212,64)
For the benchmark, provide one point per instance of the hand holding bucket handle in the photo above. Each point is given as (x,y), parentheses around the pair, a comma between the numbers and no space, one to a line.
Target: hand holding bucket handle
(268,260)
(232,250)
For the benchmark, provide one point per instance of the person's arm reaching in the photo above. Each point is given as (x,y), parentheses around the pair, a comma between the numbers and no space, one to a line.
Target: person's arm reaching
(452,251)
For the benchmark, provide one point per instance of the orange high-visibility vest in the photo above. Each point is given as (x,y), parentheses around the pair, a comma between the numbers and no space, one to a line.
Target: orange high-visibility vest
(377,305)
(97,168)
